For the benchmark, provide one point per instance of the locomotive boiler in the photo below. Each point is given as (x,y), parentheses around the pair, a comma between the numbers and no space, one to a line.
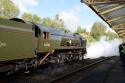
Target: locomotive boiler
(26,44)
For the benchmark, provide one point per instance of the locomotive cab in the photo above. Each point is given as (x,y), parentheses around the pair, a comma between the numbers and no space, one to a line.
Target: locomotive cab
(48,39)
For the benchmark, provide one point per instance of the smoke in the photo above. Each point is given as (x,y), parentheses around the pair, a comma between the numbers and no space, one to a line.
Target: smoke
(103,48)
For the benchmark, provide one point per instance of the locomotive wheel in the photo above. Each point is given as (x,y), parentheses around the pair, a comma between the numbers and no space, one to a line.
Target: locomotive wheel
(61,58)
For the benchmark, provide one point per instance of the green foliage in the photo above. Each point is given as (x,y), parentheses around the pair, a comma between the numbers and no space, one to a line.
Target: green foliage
(32,18)
(47,21)
(36,19)
(55,23)
(80,30)
(59,22)
(98,30)
(8,9)
(57,17)
(111,35)
(88,37)
(27,16)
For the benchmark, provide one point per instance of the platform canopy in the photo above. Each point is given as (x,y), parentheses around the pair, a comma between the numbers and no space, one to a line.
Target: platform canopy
(111,11)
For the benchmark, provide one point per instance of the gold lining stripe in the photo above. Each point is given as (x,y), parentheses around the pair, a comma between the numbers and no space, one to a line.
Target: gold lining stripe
(14,28)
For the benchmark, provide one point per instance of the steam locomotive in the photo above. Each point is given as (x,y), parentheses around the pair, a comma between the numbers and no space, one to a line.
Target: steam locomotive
(25,44)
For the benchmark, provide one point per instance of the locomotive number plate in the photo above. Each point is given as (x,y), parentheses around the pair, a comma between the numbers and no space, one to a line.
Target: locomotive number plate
(2,44)
(47,44)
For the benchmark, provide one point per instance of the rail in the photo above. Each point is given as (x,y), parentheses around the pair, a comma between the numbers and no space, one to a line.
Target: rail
(57,80)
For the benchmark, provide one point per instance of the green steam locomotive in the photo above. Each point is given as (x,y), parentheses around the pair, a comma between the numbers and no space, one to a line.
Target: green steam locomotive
(25,44)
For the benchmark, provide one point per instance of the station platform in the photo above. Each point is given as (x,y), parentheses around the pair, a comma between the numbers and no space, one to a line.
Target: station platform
(109,72)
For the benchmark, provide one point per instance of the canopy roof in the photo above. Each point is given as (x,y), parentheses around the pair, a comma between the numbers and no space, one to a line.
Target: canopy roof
(111,11)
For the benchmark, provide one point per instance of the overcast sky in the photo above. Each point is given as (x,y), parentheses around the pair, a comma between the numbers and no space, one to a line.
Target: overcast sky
(73,12)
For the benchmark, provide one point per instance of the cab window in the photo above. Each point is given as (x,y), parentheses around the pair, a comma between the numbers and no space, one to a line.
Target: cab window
(46,35)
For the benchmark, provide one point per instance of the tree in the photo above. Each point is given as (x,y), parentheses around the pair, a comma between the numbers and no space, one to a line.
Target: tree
(8,9)
(47,21)
(57,17)
(32,18)
(36,19)
(59,22)
(88,37)
(98,29)
(27,16)
(111,35)
(80,30)
(55,23)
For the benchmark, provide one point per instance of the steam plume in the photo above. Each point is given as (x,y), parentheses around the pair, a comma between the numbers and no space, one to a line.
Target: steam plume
(103,48)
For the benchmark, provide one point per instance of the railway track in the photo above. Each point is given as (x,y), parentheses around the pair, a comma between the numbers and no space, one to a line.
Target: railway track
(58,75)
(79,73)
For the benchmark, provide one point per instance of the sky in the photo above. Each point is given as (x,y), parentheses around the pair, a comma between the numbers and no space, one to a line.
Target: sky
(73,12)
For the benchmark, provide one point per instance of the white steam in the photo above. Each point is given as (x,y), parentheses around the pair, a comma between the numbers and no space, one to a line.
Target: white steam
(103,48)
